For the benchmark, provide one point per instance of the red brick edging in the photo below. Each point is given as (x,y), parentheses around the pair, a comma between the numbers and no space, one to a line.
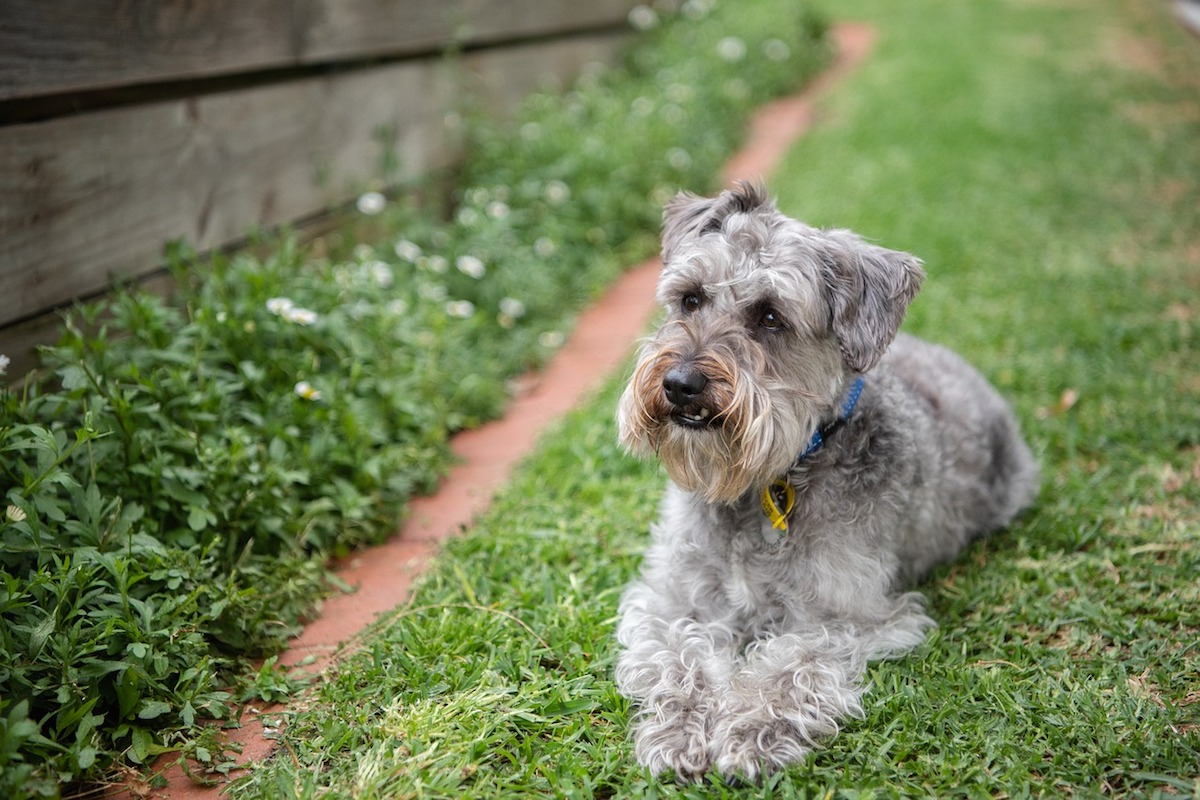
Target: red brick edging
(601,341)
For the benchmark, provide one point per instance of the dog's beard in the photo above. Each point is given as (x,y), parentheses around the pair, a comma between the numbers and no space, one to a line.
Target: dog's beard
(753,436)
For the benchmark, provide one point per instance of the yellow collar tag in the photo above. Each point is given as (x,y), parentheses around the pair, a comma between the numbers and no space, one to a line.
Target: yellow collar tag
(778,500)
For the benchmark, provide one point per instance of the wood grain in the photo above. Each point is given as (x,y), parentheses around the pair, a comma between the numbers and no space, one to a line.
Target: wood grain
(56,46)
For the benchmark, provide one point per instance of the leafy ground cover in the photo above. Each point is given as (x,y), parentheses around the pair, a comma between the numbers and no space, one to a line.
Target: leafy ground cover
(177,474)
(1041,157)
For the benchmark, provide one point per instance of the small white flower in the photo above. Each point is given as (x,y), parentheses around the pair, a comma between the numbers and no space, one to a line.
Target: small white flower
(280,305)
(371,203)
(467,217)
(380,273)
(471,266)
(409,251)
(435,264)
(397,308)
(557,193)
(497,209)
(643,18)
(512,307)
(4,362)
(776,50)
(731,49)
(679,158)
(460,309)
(300,316)
(14,513)
(696,9)
(363,252)
(305,389)
(551,339)
(544,246)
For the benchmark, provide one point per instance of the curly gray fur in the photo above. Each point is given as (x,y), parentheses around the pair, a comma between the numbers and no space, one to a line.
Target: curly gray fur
(742,649)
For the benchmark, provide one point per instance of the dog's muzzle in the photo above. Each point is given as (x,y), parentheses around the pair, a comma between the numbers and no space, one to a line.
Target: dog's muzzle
(683,386)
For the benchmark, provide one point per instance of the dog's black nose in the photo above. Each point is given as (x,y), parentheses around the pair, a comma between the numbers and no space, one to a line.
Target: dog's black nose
(683,385)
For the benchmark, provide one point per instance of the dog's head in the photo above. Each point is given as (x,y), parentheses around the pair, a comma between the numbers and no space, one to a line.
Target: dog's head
(768,320)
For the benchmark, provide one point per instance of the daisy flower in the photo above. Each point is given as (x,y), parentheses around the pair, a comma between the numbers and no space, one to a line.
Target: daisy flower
(280,305)
(306,390)
(300,316)
(460,309)
(471,266)
(371,203)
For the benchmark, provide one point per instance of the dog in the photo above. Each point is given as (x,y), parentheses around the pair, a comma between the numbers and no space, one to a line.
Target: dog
(819,461)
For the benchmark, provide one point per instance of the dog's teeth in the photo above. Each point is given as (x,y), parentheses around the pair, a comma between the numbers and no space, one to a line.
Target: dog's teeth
(697,417)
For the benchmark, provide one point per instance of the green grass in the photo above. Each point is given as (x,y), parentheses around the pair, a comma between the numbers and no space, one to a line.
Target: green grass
(1042,159)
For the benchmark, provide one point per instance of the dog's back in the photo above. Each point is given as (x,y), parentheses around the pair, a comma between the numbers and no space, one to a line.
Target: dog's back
(986,472)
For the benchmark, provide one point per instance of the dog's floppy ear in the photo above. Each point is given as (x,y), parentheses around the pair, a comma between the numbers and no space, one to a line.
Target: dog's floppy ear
(869,289)
(687,215)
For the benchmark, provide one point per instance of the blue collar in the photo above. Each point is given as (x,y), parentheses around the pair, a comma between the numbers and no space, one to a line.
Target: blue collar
(847,408)
(779,498)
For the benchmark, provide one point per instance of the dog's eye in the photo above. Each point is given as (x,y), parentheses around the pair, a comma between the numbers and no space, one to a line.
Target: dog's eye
(690,303)
(770,320)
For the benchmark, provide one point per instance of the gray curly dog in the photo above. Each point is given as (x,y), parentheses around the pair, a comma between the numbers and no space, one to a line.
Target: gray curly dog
(818,463)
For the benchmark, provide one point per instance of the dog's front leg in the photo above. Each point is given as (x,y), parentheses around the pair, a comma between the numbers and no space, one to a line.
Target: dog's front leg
(675,669)
(789,692)
(792,689)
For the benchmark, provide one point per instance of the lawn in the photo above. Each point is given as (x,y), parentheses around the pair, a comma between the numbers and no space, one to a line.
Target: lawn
(1041,158)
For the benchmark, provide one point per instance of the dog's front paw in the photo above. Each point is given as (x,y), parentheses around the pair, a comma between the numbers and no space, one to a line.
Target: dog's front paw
(747,748)
(772,725)
(674,736)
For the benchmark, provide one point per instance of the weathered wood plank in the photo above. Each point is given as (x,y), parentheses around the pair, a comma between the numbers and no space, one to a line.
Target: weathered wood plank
(56,46)
(97,195)
(87,198)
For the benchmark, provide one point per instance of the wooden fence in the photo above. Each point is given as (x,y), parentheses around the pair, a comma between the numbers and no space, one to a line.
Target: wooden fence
(125,124)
